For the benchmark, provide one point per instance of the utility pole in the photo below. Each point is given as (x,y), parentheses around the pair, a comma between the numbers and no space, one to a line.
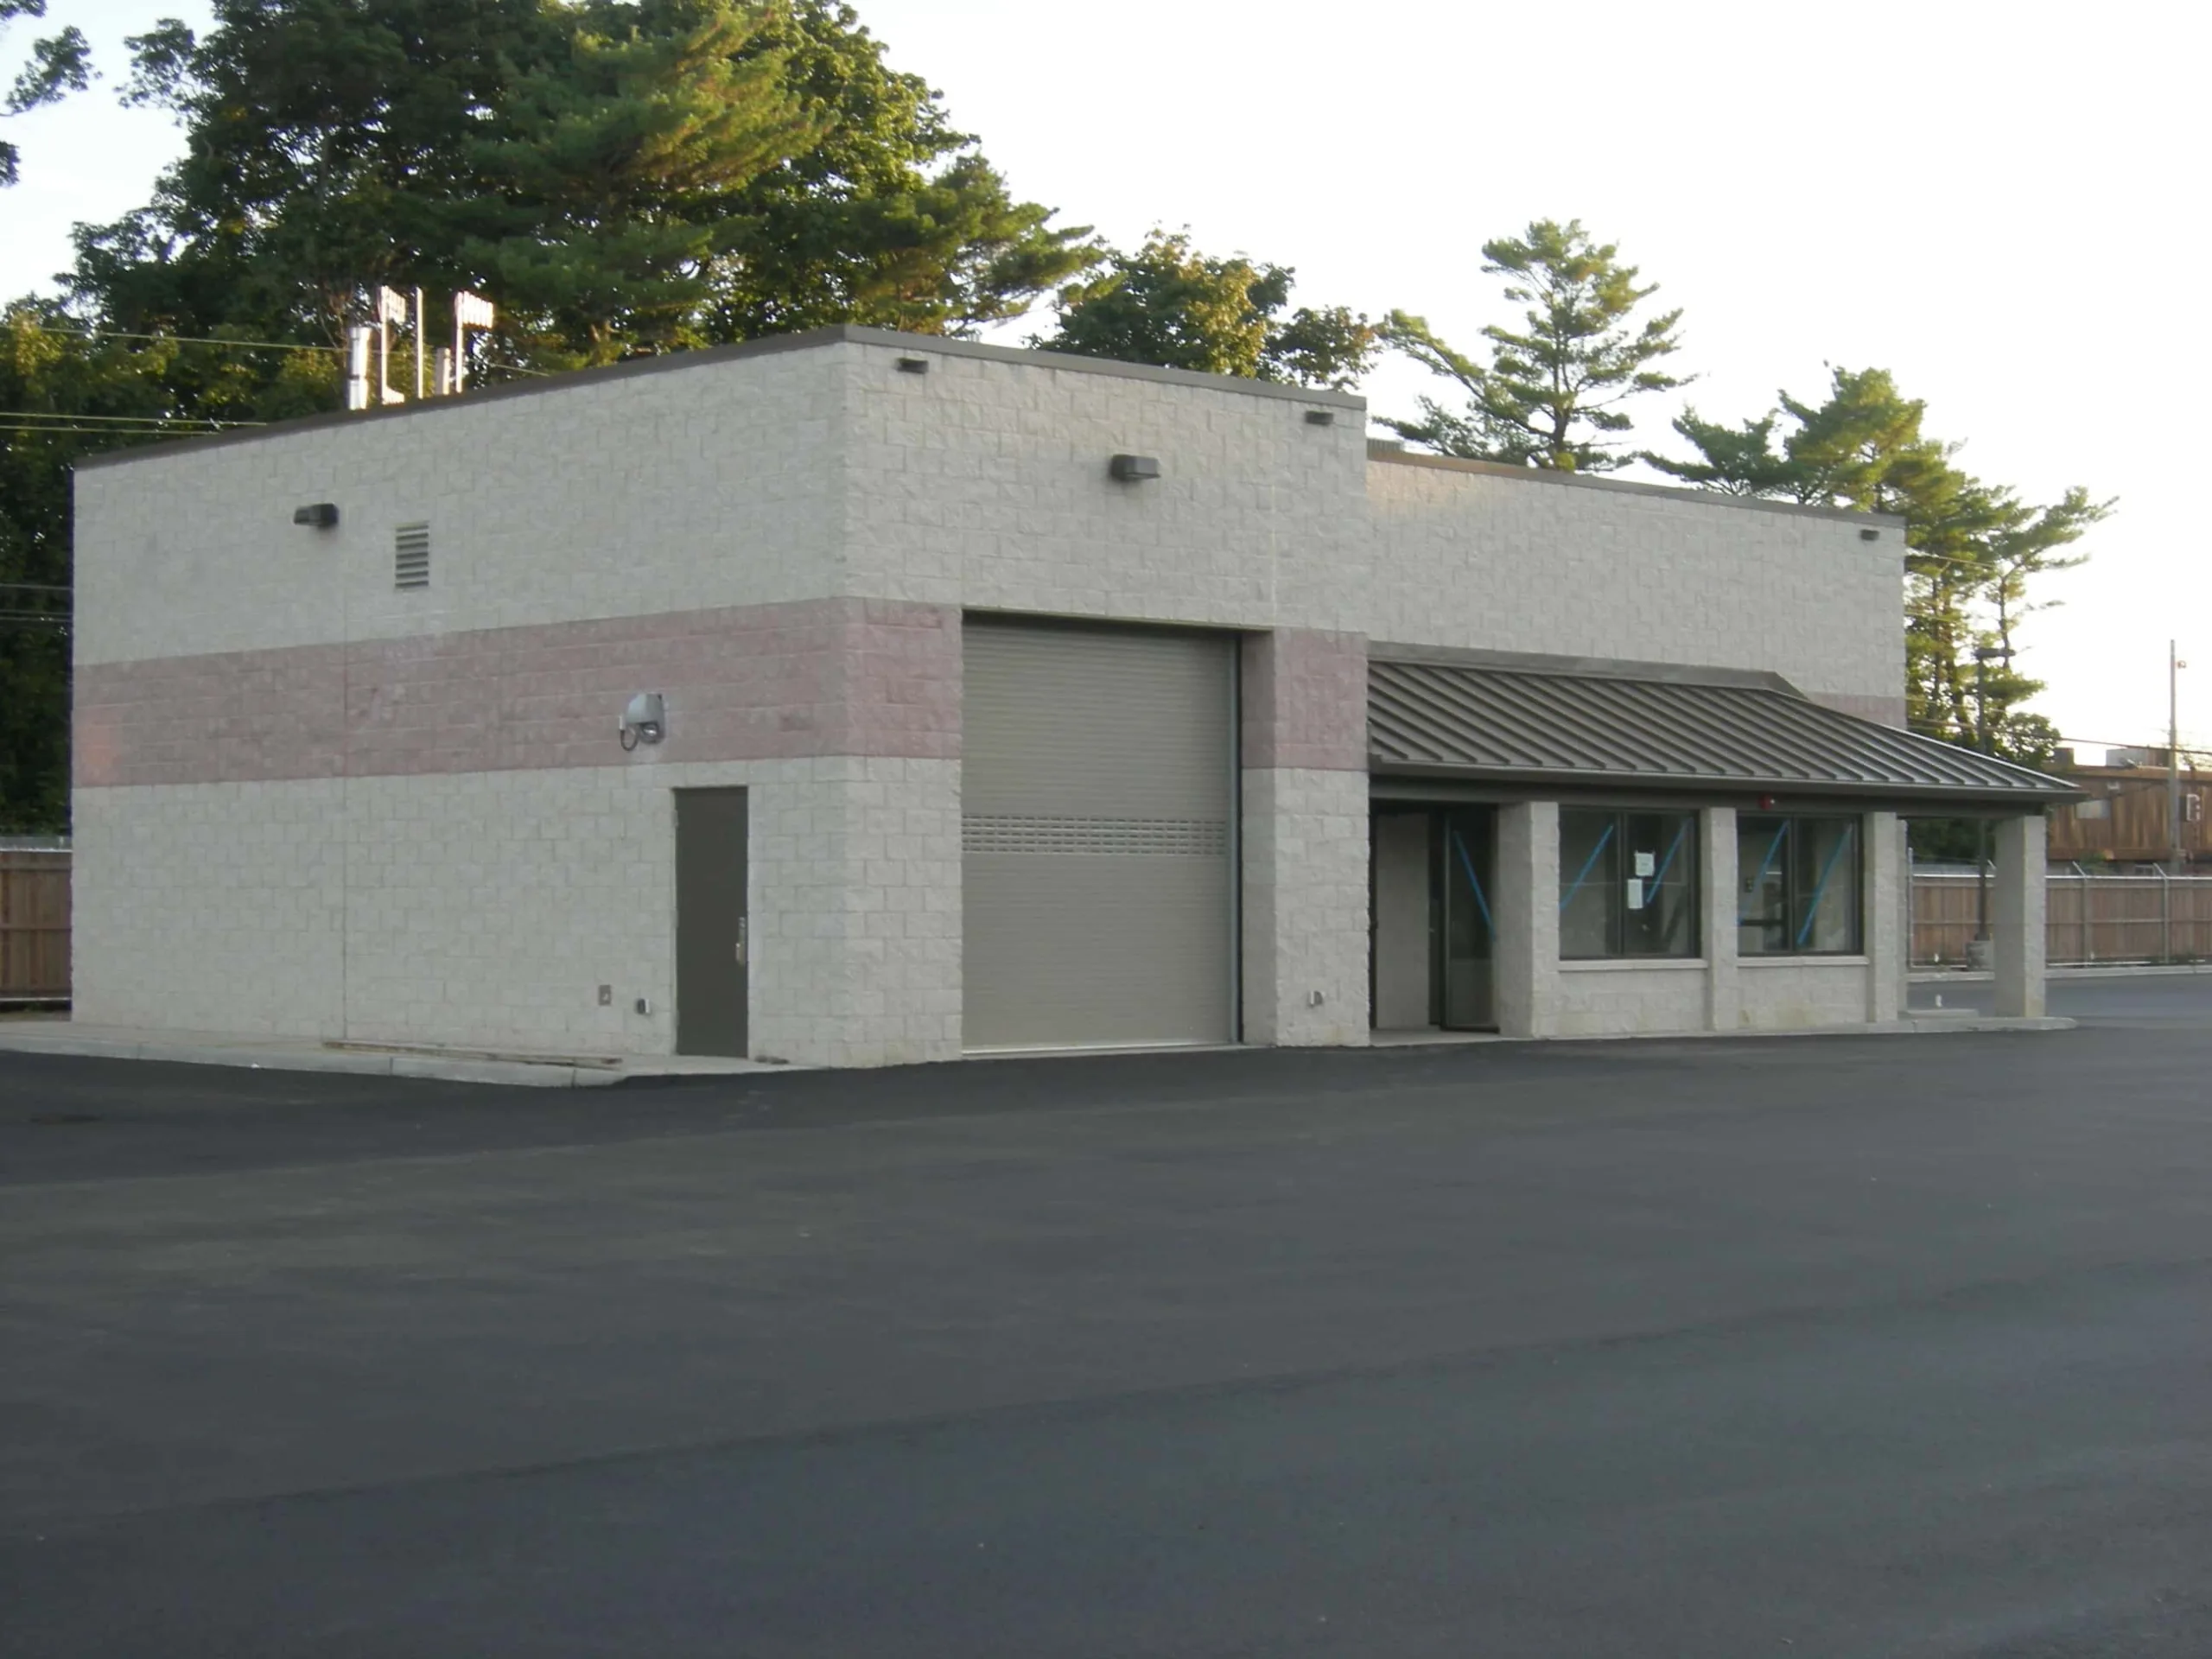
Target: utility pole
(2174,666)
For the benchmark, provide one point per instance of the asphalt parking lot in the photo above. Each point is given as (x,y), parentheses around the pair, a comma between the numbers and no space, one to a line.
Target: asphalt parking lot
(1890,1347)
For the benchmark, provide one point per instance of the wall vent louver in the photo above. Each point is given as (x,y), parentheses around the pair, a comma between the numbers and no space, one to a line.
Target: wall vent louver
(410,556)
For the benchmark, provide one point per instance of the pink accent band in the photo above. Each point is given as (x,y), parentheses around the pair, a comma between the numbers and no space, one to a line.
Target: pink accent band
(844,677)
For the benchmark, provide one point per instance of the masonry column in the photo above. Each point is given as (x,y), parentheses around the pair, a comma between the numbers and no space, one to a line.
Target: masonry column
(1889,944)
(2015,924)
(1526,907)
(1304,829)
(1717,872)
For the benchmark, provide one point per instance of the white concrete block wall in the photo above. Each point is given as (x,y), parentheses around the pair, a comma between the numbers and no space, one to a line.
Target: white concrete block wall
(1718,896)
(983,483)
(687,488)
(1619,999)
(1468,558)
(856,890)
(1304,901)
(2018,902)
(1526,904)
(1886,919)
(210,907)
(1795,993)
(485,909)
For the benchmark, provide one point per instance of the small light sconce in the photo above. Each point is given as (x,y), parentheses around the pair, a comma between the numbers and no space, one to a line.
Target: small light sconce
(1869,535)
(913,366)
(1320,417)
(1133,469)
(316,515)
(645,720)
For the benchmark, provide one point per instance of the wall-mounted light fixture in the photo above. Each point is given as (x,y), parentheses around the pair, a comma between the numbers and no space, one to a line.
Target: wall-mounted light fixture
(645,720)
(1320,417)
(1133,469)
(1869,535)
(913,366)
(316,515)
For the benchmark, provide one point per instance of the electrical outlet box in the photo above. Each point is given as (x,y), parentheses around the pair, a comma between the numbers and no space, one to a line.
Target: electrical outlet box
(606,996)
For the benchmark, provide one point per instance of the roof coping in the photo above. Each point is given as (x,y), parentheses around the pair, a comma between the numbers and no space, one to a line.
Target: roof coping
(1390,453)
(706,357)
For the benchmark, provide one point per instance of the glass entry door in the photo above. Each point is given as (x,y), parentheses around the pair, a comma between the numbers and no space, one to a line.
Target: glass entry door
(1469,934)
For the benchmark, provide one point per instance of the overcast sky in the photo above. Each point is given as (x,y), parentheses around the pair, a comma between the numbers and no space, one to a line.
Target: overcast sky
(2000,204)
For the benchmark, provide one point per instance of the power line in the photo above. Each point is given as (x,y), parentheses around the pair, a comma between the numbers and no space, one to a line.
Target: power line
(97,431)
(112,431)
(2106,743)
(98,334)
(118,432)
(22,415)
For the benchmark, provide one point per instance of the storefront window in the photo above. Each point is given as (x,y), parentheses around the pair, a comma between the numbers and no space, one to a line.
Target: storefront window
(1627,883)
(1797,886)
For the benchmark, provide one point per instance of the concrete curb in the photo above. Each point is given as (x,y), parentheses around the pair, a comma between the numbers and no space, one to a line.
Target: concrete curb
(519,1073)
(2117,970)
(556,1074)
(1920,1023)
(1938,1023)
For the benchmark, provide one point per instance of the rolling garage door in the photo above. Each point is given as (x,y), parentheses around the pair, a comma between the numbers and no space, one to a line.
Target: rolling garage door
(1098,836)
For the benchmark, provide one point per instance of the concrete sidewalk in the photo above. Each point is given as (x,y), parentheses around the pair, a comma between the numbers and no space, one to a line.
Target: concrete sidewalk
(2076,971)
(50,1034)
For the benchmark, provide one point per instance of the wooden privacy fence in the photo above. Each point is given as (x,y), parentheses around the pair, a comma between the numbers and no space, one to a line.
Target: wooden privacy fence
(2088,918)
(33,926)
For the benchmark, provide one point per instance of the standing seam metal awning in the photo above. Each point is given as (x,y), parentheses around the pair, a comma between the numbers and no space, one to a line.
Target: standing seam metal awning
(1749,732)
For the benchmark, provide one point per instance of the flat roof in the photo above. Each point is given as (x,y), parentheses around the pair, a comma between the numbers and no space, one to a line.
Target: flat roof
(941,345)
(768,346)
(1391,454)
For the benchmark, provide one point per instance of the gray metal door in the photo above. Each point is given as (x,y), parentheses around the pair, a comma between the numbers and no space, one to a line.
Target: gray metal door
(1098,833)
(710,924)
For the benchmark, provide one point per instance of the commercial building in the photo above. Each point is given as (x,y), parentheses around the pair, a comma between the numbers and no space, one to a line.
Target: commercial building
(857,698)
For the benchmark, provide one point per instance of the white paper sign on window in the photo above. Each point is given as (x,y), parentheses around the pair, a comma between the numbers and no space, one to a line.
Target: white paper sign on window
(1646,862)
(1635,892)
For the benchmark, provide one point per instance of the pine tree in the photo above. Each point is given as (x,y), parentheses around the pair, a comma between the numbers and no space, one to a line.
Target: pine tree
(1551,393)
(1972,548)
(616,178)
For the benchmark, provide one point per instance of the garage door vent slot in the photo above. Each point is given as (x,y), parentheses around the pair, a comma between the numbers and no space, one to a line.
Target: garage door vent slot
(1175,838)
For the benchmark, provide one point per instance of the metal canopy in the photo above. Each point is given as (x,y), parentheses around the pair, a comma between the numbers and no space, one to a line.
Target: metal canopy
(1665,729)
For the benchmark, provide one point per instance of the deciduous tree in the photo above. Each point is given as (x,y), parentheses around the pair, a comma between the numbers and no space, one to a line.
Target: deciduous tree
(1169,304)
(59,63)
(66,394)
